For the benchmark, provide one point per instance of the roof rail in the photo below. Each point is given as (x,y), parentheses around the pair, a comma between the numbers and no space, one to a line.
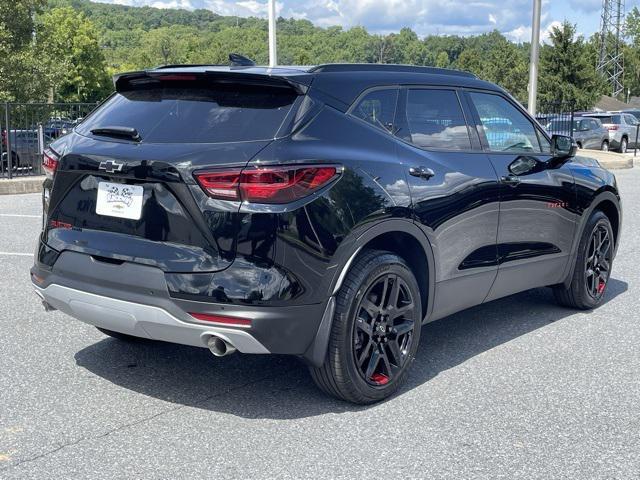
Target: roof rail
(386,67)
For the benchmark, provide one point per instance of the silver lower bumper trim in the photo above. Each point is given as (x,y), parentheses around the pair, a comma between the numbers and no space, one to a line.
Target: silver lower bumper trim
(140,320)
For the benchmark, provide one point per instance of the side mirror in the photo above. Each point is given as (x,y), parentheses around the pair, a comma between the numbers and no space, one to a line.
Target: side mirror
(563,147)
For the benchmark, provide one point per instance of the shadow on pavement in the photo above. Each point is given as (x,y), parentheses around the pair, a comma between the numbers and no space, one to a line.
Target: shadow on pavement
(279,387)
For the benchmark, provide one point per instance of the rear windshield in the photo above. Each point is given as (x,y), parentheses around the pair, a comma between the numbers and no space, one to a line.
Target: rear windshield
(215,113)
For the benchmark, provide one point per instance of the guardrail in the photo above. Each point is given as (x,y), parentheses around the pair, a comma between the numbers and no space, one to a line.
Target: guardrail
(28,128)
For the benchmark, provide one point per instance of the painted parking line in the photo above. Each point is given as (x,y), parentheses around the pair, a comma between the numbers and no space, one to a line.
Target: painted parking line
(19,216)
(16,254)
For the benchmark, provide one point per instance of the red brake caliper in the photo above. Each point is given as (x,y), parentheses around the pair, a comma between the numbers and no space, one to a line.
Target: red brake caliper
(601,286)
(380,378)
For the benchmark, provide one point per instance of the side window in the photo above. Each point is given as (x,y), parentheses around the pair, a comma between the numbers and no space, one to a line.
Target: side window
(434,119)
(507,129)
(378,108)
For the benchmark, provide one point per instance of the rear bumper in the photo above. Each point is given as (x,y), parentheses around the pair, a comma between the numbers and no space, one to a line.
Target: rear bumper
(134,299)
(140,320)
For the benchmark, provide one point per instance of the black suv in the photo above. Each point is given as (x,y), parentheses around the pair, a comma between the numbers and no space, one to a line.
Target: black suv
(324,212)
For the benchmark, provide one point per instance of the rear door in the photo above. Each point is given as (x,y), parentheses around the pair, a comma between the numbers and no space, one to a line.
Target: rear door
(135,199)
(537,200)
(454,192)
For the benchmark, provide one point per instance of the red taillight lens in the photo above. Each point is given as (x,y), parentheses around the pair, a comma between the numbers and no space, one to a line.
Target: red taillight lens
(205,317)
(223,184)
(49,162)
(612,127)
(282,184)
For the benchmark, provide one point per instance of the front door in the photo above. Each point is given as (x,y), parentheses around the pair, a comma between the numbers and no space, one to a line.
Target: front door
(537,197)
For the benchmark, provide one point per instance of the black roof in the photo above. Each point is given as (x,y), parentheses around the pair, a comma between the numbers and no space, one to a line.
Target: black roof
(343,82)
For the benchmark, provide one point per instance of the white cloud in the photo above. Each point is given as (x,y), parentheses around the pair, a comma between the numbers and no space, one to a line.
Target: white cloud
(455,17)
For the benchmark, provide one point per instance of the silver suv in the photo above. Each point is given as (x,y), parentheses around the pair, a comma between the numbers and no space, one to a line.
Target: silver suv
(587,132)
(623,129)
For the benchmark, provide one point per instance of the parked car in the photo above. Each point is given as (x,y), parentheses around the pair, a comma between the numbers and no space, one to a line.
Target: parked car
(587,132)
(326,213)
(55,127)
(24,147)
(623,129)
(634,112)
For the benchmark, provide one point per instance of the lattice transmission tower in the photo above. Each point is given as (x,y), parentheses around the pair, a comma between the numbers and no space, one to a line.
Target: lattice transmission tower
(611,59)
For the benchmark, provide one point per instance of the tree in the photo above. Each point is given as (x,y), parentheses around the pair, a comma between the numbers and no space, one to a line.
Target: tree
(632,53)
(17,63)
(69,48)
(442,60)
(566,75)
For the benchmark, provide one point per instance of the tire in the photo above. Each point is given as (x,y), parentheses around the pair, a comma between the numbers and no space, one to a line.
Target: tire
(358,335)
(605,146)
(593,266)
(122,336)
(579,145)
(624,145)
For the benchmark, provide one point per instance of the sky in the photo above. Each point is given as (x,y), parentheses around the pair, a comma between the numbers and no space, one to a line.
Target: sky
(440,17)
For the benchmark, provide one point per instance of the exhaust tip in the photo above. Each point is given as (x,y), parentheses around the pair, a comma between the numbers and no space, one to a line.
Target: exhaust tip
(220,347)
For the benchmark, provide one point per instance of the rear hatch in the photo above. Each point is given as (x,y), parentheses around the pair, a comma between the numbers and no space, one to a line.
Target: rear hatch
(124,189)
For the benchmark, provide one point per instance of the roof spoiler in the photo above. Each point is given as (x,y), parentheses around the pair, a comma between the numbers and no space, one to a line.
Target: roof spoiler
(133,80)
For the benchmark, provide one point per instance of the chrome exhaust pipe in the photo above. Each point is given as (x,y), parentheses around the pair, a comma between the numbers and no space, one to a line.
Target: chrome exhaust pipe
(220,347)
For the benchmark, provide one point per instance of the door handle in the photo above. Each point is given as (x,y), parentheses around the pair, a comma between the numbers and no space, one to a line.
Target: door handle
(422,172)
(510,180)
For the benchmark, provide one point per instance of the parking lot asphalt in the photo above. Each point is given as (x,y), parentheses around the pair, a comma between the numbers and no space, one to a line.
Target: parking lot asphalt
(517,388)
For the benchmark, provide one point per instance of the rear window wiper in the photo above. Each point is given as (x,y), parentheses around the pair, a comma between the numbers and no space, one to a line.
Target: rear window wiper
(129,133)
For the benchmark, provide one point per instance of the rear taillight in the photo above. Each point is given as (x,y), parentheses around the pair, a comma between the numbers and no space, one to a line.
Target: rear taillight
(281,184)
(612,127)
(49,162)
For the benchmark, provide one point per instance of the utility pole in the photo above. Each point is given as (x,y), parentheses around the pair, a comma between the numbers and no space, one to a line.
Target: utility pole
(273,49)
(535,56)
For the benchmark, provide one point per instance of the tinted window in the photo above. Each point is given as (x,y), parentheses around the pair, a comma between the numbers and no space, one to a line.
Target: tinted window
(378,108)
(435,120)
(631,120)
(506,128)
(196,114)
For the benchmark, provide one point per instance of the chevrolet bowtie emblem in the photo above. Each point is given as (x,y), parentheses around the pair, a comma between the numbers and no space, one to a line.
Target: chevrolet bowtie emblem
(110,166)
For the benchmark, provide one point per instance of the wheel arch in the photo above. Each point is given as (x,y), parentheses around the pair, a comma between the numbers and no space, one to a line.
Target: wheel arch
(398,236)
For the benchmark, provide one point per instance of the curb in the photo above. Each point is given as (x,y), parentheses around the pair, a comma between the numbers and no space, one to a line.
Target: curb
(21,185)
(609,160)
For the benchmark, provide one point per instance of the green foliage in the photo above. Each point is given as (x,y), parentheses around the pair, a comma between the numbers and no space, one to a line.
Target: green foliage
(70,51)
(79,44)
(17,63)
(568,71)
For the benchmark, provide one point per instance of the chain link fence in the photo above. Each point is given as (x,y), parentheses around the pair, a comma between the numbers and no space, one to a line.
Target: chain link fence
(28,128)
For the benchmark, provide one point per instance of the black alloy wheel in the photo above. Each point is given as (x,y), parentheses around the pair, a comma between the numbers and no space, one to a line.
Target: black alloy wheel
(383,331)
(375,331)
(592,270)
(598,262)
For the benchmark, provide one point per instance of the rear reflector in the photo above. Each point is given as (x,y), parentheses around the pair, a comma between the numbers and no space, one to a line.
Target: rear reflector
(274,185)
(49,162)
(205,317)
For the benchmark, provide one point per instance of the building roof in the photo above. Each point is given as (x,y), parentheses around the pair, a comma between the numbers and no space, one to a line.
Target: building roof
(610,104)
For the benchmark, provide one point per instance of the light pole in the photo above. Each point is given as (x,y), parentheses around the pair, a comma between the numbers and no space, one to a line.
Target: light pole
(535,55)
(273,50)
